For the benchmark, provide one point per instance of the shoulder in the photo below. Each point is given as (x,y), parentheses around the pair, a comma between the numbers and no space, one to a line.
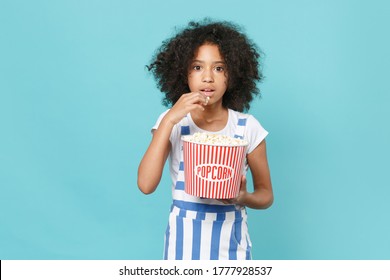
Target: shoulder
(255,133)
(235,116)
(177,128)
(243,119)
(184,121)
(162,115)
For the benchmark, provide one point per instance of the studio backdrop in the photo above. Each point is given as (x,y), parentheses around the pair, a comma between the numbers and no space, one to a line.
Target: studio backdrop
(77,104)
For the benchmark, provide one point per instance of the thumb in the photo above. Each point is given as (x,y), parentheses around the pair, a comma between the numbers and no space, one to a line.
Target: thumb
(243,182)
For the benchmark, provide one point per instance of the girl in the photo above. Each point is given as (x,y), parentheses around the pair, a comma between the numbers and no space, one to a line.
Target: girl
(208,72)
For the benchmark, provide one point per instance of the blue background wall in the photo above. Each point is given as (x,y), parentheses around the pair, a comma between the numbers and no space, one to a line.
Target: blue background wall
(77,105)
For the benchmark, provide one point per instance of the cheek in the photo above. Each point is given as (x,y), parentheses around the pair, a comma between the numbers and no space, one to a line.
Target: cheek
(192,78)
(190,82)
(226,82)
(226,77)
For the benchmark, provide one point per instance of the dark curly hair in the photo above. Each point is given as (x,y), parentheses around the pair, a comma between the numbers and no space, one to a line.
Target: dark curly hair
(171,62)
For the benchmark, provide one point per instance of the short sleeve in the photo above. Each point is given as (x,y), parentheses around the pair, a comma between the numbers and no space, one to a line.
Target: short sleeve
(159,120)
(175,134)
(255,133)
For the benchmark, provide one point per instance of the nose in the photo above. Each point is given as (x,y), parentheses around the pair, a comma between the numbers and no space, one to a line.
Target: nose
(208,76)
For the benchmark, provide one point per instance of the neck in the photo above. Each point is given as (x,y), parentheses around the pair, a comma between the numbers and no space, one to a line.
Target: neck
(212,119)
(211,112)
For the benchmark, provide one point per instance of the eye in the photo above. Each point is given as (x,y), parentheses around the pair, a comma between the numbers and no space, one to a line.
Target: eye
(219,68)
(196,67)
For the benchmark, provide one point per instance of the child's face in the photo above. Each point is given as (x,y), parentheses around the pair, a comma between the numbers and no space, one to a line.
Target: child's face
(208,74)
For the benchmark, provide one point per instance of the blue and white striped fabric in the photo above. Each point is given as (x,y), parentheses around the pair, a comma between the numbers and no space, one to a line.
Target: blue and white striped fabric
(205,229)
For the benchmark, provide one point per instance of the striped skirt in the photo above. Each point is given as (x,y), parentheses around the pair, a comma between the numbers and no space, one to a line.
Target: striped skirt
(206,232)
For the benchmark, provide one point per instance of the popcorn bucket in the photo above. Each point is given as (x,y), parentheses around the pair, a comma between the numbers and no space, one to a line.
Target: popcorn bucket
(213,171)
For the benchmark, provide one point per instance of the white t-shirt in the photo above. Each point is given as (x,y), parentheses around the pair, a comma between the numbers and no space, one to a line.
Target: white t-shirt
(254,134)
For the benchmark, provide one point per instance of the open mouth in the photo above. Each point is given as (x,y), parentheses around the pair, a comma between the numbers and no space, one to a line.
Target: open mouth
(207,91)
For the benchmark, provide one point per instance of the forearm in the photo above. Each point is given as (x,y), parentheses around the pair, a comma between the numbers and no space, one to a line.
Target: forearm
(152,164)
(259,199)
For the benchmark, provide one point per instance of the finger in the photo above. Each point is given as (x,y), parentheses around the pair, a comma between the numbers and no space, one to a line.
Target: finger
(192,101)
(230,201)
(200,99)
(200,94)
(243,183)
(189,96)
(194,97)
(243,180)
(207,100)
(195,107)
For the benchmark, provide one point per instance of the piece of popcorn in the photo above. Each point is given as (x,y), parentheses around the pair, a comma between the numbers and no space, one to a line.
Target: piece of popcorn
(214,139)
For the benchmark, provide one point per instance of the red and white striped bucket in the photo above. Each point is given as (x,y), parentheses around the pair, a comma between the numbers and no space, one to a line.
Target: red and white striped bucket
(213,171)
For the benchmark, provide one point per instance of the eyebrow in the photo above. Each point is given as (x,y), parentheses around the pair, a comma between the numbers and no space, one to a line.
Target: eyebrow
(214,62)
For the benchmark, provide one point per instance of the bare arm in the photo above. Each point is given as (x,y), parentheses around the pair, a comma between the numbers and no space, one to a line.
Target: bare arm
(152,164)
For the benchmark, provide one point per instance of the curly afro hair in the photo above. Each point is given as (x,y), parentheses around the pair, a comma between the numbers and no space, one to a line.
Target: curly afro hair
(171,62)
